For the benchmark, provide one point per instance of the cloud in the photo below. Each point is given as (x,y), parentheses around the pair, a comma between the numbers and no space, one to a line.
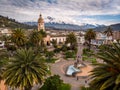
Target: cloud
(72,11)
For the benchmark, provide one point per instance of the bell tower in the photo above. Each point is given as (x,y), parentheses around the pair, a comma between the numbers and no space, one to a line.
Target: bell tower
(41,23)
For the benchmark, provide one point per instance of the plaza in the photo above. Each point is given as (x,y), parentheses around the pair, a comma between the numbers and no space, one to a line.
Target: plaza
(61,67)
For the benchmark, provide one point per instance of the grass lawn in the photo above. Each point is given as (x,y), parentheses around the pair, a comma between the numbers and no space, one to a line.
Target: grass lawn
(91,59)
(52,60)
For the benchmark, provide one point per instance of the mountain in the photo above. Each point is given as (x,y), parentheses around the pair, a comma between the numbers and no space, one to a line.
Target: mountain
(12,23)
(54,23)
(66,26)
(115,27)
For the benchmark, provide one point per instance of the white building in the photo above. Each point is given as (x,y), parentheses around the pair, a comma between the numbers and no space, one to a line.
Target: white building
(81,37)
(5,31)
(100,39)
(58,38)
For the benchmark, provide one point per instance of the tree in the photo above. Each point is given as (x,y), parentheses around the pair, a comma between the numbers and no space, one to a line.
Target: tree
(52,83)
(54,43)
(25,69)
(18,37)
(106,76)
(43,33)
(108,32)
(3,61)
(71,38)
(90,34)
(49,55)
(35,38)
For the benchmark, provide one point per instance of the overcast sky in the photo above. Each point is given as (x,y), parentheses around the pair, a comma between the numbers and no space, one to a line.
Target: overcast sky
(70,11)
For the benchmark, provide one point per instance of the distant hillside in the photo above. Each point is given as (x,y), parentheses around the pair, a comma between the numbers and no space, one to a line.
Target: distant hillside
(11,23)
(62,26)
(115,27)
(65,26)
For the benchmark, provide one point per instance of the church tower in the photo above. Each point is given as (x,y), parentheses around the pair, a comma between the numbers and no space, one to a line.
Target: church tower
(41,23)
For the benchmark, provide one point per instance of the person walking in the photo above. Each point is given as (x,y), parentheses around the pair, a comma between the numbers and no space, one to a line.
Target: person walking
(77,78)
(85,81)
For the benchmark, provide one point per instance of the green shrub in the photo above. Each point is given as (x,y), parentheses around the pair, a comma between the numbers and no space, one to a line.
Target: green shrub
(49,57)
(91,59)
(57,50)
(70,54)
(52,60)
(84,58)
(87,52)
(64,48)
(55,83)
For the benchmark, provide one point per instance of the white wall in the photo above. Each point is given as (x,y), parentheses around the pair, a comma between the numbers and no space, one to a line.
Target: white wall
(59,39)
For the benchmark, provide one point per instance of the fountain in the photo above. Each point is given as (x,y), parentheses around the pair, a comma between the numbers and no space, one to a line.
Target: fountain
(74,69)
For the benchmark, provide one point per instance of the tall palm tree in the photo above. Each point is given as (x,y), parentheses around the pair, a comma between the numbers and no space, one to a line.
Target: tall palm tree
(25,70)
(3,61)
(18,37)
(90,34)
(36,37)
(106,76)
(108,32)
(43,33)
(54,43)
(71,38)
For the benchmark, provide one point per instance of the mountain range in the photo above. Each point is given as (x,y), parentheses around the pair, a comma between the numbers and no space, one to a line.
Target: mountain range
(52,24)
(58,24)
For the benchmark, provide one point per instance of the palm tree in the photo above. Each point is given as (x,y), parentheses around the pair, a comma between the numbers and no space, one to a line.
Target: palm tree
(25,70)
(108,32)
(18,37)
(54,43)
(3,61)
(43,33)
(36,37)
(106,76)
(90,34)
(71,38)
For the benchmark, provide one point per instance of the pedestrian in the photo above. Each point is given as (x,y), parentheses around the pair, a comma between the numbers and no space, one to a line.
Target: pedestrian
(86,81)
(77,78)
(77,61)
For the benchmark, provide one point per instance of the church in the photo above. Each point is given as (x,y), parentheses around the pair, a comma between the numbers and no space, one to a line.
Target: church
(41,23)
(59,38)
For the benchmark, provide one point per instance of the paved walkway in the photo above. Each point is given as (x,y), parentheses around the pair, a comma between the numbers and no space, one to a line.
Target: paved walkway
(60,69)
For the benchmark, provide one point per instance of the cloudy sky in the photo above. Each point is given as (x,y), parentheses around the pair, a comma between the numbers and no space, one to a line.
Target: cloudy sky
(70,11)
